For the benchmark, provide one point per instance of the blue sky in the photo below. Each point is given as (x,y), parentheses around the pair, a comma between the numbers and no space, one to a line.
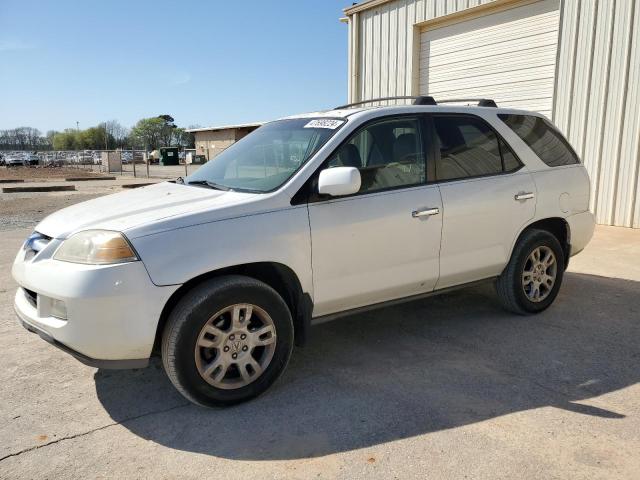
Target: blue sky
(203,62)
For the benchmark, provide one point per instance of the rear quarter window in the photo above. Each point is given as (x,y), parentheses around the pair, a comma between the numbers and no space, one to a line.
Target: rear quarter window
(542,137)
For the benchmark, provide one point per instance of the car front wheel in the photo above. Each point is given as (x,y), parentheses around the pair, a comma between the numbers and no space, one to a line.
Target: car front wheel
(227,341)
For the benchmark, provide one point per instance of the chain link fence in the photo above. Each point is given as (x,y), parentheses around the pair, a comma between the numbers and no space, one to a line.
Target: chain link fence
(132,163)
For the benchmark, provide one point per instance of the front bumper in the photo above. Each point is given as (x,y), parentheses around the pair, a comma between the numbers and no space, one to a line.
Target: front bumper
(92,362)
(112,311)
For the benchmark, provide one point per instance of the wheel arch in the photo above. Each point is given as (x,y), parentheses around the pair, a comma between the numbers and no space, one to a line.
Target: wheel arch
(277,275)
(558,227)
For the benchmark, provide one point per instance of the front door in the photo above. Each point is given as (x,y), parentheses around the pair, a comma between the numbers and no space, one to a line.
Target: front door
(382,243)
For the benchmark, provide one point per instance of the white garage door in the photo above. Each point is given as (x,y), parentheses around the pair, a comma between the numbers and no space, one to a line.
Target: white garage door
(508,56)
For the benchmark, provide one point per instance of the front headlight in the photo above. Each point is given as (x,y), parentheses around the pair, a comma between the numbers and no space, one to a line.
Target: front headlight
(96,247)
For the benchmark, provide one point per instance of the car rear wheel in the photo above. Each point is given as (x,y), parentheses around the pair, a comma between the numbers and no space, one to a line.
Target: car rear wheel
(227,341)
(532,278)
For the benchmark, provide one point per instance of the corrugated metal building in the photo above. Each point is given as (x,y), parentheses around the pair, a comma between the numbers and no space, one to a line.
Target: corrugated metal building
(578,62)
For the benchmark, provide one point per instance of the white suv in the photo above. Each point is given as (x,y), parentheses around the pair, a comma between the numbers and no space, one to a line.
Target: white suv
(307,218)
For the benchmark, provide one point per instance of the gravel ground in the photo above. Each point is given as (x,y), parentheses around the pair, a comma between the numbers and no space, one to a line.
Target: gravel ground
(449,387)
(26,210)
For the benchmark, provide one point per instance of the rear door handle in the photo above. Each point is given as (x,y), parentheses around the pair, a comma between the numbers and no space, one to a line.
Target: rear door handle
(425,213)
(524,196)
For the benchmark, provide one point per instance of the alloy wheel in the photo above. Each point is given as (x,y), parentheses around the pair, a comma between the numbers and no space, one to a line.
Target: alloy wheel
(539,273)
(235,346)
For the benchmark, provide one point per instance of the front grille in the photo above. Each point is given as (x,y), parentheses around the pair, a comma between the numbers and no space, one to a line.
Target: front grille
(32,297)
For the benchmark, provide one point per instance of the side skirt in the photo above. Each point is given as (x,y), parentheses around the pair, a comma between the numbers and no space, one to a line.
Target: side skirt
(389,303)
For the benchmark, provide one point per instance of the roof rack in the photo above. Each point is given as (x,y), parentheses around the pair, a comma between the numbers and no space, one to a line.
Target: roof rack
(425,100)
(419,100)
(482,102)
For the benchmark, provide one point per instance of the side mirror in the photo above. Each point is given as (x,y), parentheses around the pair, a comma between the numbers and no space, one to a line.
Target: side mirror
(339,181)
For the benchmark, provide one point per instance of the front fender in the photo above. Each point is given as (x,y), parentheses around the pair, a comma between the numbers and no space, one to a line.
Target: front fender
(176,256)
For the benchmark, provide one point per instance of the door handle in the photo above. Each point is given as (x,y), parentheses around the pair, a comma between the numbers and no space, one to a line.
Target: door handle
(425,213)
(524,196)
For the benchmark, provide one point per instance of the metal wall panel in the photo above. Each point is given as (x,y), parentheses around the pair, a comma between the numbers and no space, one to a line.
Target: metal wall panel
(628,207)
(597,84)
(598,101)
(614,113)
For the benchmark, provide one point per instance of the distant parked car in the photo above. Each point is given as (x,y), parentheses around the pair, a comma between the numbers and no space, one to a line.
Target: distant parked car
(125,157)
(15,161)
(32,160)
(52,161)
(84,158)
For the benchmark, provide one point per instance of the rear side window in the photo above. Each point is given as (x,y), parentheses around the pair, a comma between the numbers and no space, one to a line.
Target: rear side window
(470,148)
(547,143)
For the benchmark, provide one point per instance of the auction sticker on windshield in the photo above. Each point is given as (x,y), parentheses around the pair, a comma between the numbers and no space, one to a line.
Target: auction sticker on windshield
(324,123)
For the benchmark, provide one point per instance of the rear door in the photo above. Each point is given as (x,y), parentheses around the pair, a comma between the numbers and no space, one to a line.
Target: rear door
(487,194)
(382,243)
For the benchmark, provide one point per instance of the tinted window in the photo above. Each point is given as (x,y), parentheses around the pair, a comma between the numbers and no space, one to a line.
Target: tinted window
(511,163)
(542,138)
(388,154)
(468,148)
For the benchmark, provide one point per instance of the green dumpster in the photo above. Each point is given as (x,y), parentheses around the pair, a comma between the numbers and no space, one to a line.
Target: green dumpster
(169,156)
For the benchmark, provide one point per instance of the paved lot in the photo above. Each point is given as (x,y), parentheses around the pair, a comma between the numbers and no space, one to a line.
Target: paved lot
(449,387)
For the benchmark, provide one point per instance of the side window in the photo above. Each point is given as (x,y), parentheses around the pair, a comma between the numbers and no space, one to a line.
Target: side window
(468,148)
(511,162)
(388,154)
(547,143)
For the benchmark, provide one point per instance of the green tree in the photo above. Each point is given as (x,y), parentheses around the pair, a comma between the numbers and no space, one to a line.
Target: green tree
(184,139)
(49,136)
(148,133)
(95,138)
(167,134)
(160,131)
(115,134)
(67,140)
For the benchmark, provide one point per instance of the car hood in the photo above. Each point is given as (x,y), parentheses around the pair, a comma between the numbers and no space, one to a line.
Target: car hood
(160,204)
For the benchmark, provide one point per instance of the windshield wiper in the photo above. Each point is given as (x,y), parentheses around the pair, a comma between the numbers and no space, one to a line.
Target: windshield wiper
(207,183)
(179,180)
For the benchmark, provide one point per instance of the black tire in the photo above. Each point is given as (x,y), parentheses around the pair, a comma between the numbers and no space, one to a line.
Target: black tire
(190,315)
(509,285)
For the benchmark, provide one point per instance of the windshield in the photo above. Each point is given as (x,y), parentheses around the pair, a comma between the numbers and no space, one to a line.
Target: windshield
(266,158)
